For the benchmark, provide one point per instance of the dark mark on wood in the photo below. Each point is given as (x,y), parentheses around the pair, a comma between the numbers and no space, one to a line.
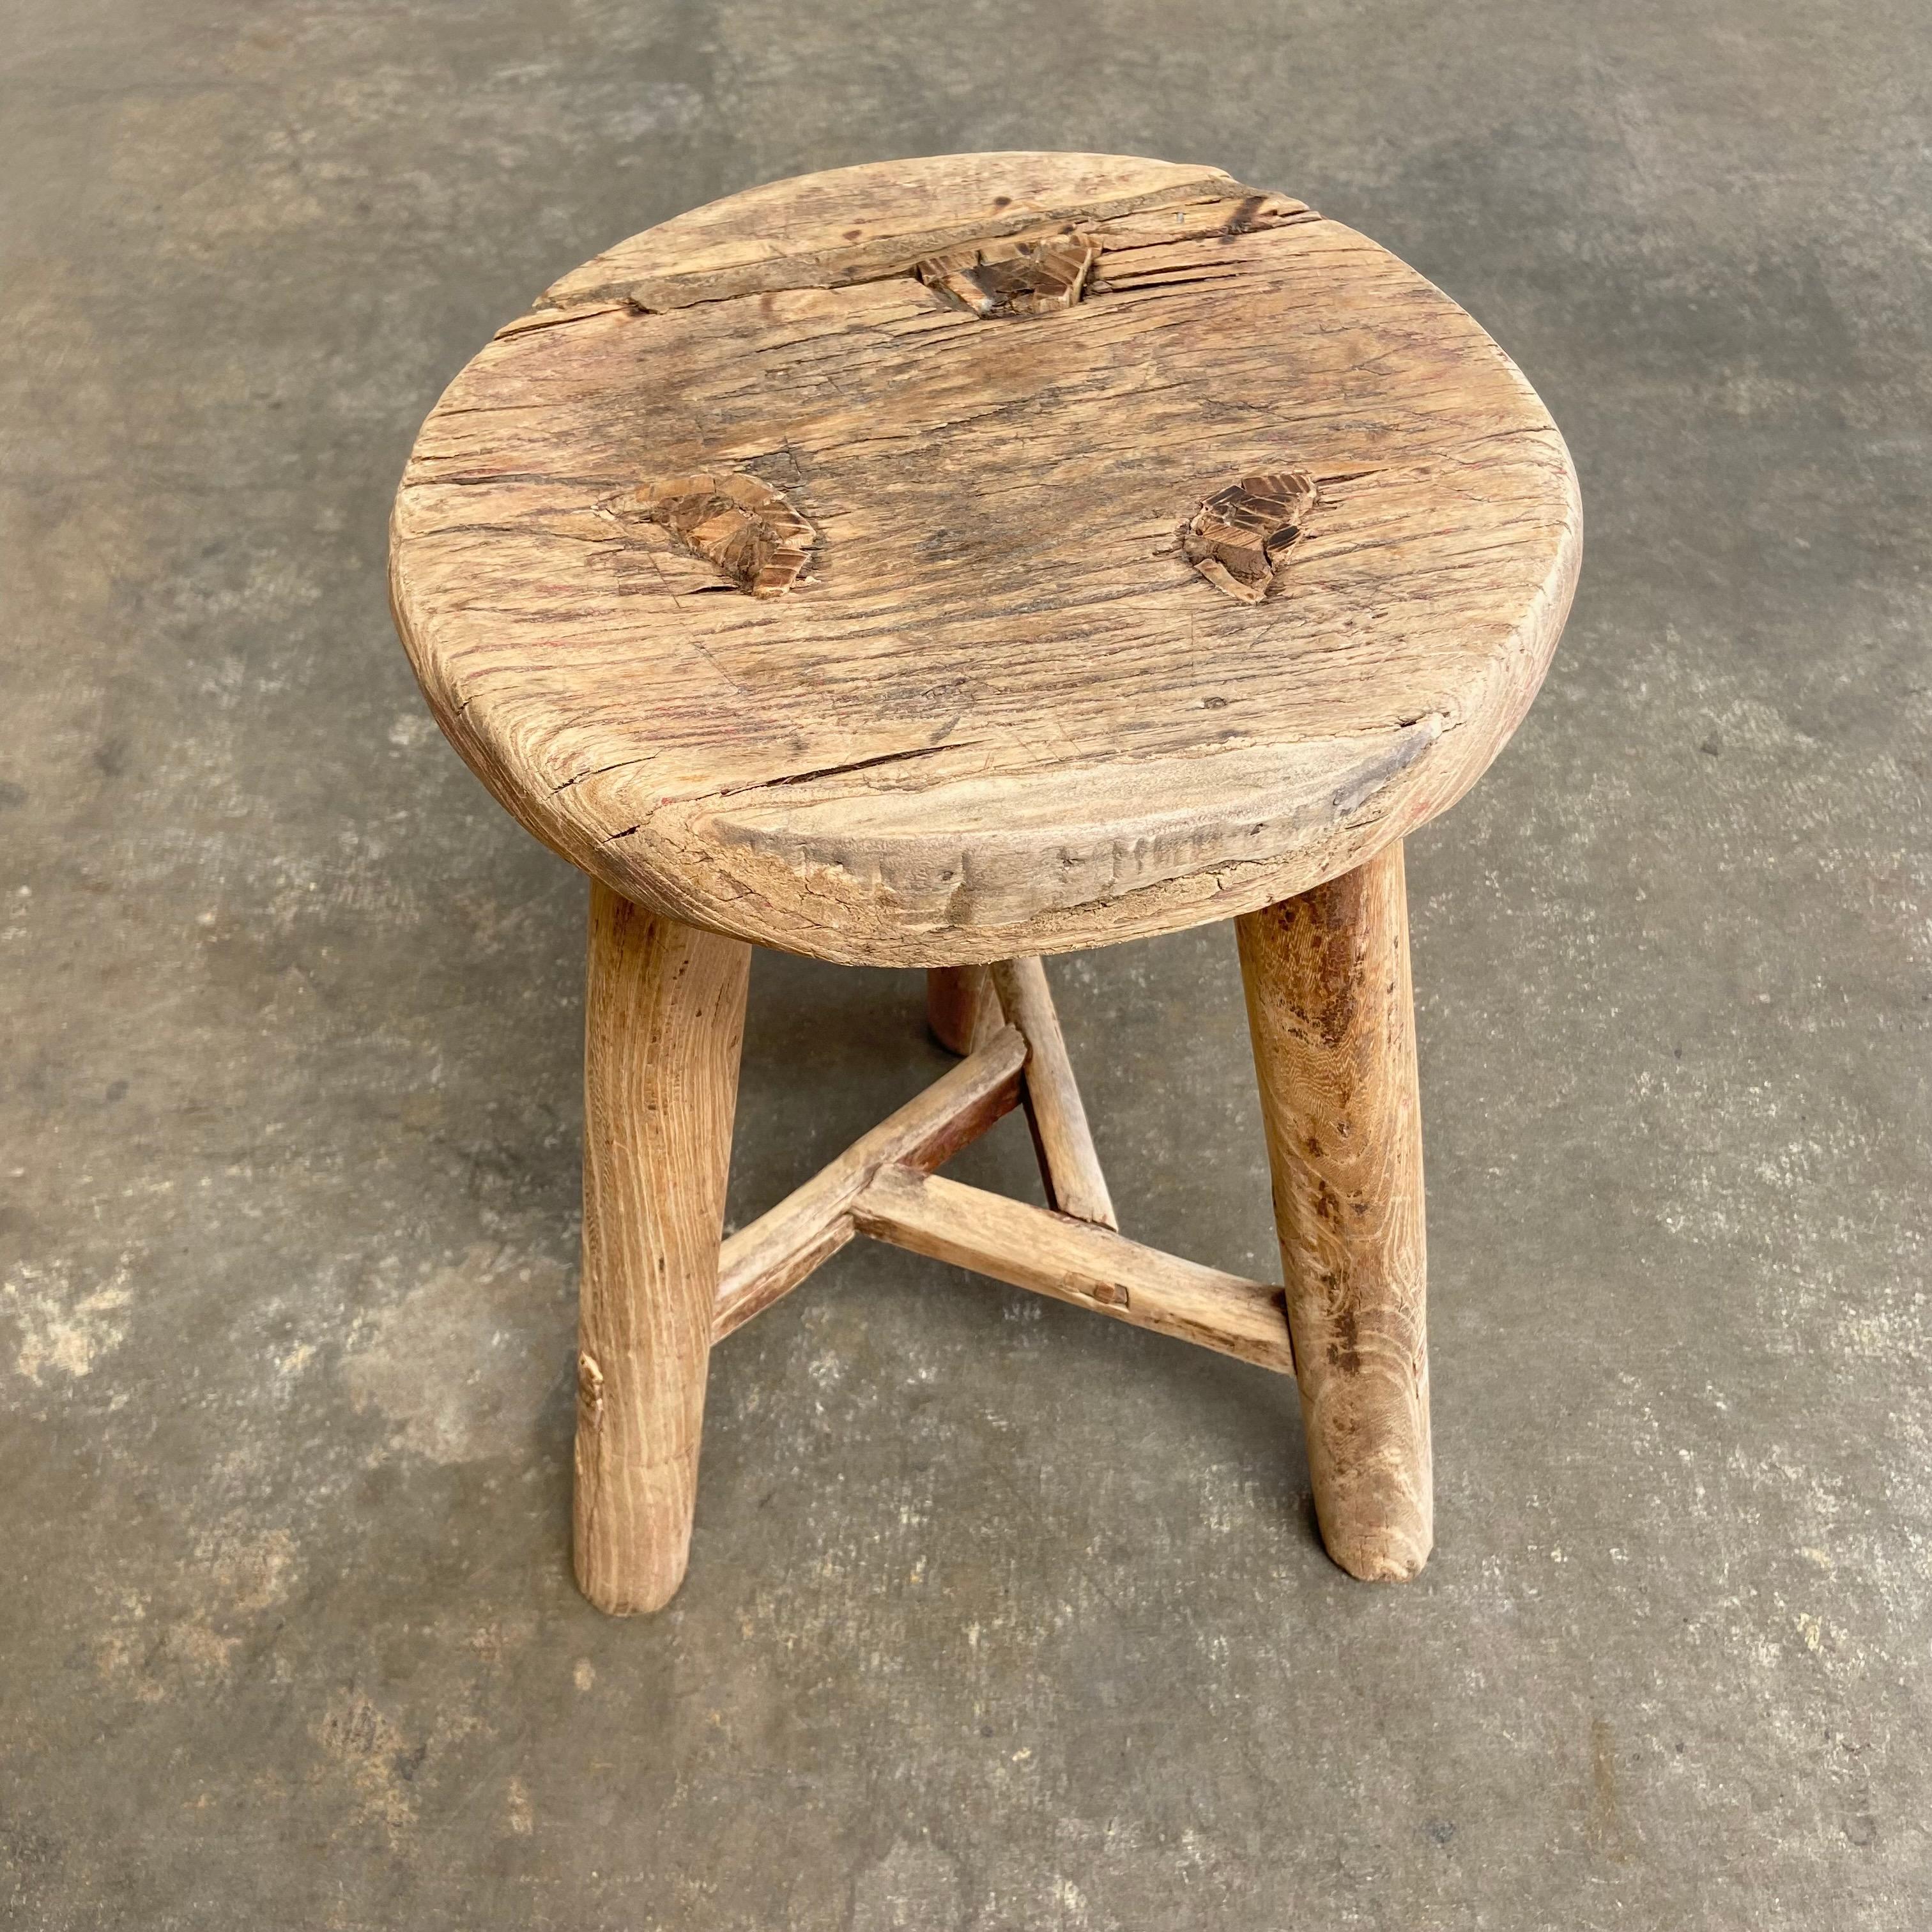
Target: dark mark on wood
(1257,212)
(1022,277)
(1246,219)
(740,526)
(1238,536)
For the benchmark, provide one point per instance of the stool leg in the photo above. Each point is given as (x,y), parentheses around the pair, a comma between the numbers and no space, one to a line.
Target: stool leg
(961,1007)
(1333,1027)
(664,1022)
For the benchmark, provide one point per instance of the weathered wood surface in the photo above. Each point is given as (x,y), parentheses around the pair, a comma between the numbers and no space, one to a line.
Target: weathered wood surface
(1000,713)
(1078,1262)
(1331,1014)
(664,1021)
(1069,1164)
(771,1255)
(962,1007)
(845,225)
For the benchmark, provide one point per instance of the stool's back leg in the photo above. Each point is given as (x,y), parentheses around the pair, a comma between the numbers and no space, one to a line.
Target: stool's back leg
(1069,1164)
(664,1024)
(962,1007)
(1333,1027)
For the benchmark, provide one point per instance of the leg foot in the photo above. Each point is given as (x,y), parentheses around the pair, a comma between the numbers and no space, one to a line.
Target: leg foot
(1329,1008)
(664,1021)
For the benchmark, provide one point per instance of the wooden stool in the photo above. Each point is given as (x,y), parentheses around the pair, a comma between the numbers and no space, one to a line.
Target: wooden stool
(945,563)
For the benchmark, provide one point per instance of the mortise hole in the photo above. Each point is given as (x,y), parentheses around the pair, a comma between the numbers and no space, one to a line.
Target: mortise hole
(1238,538)
(1044,275)
(741,526)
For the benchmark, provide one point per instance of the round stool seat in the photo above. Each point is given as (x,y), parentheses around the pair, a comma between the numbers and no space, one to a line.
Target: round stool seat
(949,560)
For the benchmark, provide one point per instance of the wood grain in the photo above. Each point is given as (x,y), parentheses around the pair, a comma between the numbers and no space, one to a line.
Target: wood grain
(1069,1163)
(961,1008)
(1001,714)
(1330,1011)
(1078,1262)
(664,1022)
(772,1256)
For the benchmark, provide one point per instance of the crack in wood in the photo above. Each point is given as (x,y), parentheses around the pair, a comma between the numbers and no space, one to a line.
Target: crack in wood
(861,764)
(651,288)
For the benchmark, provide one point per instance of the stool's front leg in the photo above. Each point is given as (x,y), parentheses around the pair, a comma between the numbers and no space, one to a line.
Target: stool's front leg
(663,1023)
(1333,1027)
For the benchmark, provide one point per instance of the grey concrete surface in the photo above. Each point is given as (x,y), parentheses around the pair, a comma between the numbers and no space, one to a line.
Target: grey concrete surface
(1001,1617)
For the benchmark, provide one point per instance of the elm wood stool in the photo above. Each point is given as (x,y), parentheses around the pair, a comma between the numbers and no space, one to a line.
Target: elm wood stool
(946,563)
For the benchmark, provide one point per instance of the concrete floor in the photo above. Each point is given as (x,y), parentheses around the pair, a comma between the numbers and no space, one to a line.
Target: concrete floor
(1001,1618)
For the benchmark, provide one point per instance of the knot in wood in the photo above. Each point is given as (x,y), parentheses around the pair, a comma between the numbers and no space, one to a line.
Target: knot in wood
(589,1390)
(1041,277)
(740,526)
(1237,537)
